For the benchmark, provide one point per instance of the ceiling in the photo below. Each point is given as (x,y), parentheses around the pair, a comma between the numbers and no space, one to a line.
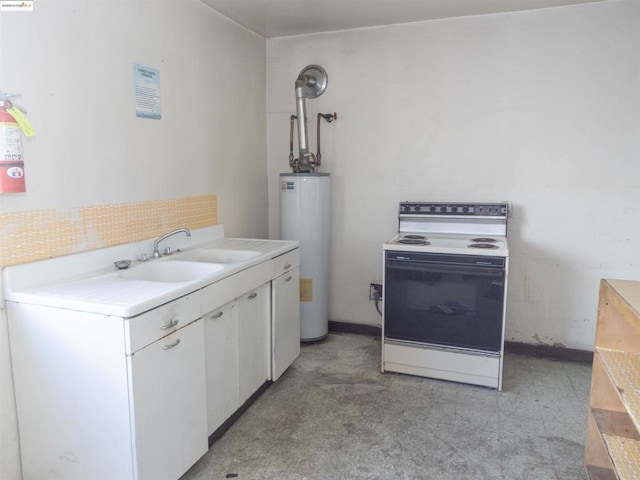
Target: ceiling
(277,18)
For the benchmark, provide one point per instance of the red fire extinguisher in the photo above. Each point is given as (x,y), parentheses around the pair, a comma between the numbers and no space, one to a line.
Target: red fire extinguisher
(11,159)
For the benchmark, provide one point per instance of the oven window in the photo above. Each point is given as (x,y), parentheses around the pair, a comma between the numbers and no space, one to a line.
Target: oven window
(455,307)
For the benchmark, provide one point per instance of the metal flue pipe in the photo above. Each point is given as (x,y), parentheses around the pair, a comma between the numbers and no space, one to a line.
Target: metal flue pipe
(301,113)
(311,83)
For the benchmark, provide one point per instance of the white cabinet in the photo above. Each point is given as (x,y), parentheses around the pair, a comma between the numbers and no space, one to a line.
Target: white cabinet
(89,406)
(169,411)
(285,314)
(101,396)
(253,341)
(166,371)
(221,365)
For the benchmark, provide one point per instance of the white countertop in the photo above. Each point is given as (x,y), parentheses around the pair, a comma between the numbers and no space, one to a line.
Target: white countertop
(89,282)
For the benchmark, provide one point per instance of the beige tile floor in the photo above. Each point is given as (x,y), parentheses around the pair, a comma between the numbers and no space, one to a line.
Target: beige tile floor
(333,415)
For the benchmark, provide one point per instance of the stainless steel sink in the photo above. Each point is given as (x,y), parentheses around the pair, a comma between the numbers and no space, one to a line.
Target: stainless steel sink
(216,255)
(171,271)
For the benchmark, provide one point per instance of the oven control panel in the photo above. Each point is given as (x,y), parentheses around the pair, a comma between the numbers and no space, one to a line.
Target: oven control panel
(461,209)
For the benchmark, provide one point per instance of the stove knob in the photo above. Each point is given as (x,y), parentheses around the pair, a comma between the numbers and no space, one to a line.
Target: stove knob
(432,208)
(454,209)
(443,209)
(406,208)
(416,208)
(465,209)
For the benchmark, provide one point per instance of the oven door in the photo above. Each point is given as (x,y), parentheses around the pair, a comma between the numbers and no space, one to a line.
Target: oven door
(444,300)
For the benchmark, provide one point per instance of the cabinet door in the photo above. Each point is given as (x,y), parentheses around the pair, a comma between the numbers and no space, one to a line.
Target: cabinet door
(285,304)
(221,354)
(253,341)
(169,404)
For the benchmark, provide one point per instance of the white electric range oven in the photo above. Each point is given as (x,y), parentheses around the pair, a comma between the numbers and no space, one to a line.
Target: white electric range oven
(444,292)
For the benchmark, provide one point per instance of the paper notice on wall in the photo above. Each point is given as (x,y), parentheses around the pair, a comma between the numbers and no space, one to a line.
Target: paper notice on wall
(147,89)
(306,289)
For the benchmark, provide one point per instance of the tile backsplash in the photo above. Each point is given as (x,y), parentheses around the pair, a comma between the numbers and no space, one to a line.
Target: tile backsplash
(36,235)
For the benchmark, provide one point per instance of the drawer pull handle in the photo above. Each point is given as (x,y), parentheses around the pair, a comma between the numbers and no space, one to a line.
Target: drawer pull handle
(216,315)
(288,279)
(252,296)
(171,345)
(169,325)
(287,266)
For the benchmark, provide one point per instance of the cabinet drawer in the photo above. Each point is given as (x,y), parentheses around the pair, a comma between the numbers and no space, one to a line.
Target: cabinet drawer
(227,289)
(285,262)
(159,322)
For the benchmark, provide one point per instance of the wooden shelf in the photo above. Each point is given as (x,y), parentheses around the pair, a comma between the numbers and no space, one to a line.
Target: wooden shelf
(612,449)
(623,369)
(614,424)
(621,441)
(599,473)
(625,453)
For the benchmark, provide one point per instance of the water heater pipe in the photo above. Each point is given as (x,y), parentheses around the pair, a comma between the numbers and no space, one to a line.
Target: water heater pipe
(292,162)
(329,117)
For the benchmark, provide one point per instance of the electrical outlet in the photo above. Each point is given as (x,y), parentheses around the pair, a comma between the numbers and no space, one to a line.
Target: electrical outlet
(375,291)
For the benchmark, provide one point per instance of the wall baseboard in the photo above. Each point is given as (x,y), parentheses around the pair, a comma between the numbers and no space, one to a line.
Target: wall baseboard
(548,351)
(359,328)
(540,351)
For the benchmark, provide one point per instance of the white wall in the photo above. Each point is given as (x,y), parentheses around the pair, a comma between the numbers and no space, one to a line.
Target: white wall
(72,61)
(540,108)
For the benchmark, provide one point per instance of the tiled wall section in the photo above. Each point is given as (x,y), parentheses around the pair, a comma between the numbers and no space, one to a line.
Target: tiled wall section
(41,234)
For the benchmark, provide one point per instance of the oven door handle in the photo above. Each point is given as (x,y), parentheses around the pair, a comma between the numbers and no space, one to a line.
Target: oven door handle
(459,269)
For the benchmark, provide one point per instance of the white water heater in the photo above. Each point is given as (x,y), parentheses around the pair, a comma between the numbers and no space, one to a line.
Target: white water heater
(304,216)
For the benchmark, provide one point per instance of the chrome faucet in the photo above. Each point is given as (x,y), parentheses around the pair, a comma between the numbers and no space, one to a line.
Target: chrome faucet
(156,252)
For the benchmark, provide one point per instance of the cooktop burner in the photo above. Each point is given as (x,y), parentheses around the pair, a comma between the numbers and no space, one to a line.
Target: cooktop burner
(413,241)
(484,240)
(415,237)
(484,245)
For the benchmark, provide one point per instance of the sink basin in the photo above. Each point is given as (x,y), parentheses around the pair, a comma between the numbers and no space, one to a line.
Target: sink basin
(171,271)
(215,255)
